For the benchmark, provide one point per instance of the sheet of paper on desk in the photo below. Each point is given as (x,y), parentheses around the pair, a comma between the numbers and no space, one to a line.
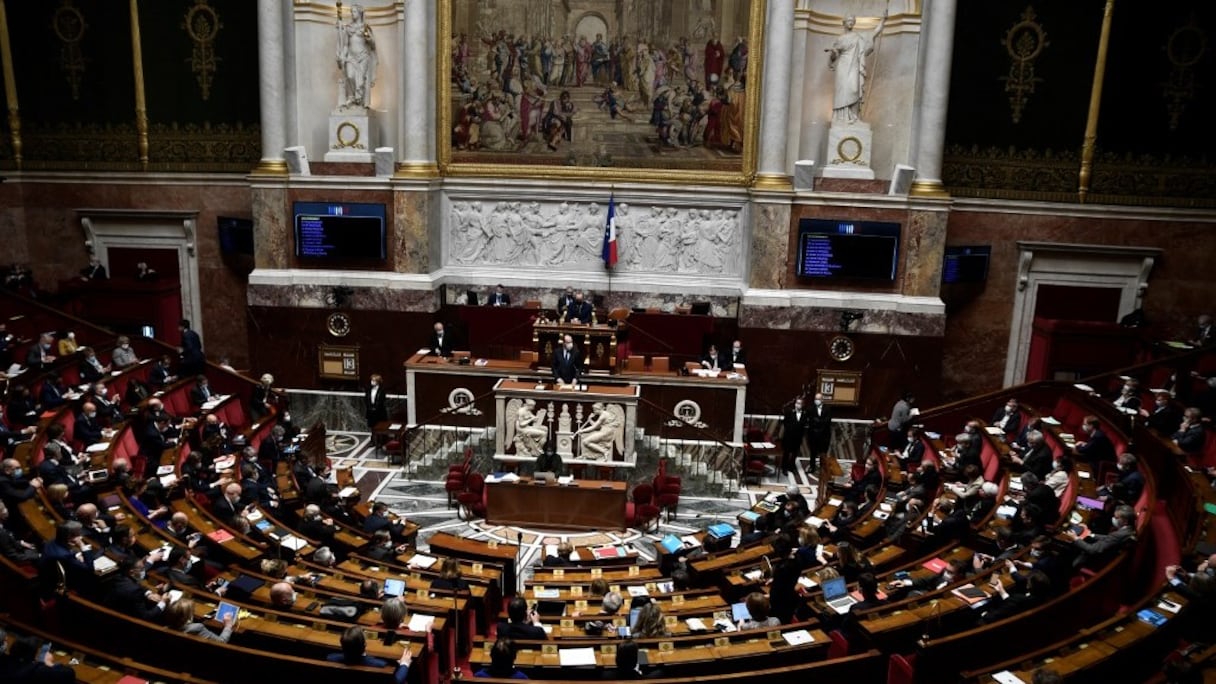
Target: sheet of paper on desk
(1007,511)
(424,350)
(94,448)
(348,492)
(420,623)
(753,575)
(994,430)
(293,542)
(815,522)
(806,582)
(565,480)
(576,657)
(1083,387)
(691,540)
(174,596)
(1007,677)
(798,637)
(635,590)
(696,625)
(835,501)
(254,515)
(546,593)
(421,561)
(1168,606)
(394,427)
(167,481)
(933,435)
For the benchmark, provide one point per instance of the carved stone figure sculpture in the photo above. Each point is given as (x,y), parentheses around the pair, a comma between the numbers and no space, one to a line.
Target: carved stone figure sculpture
(356,60)
(604,431)
(847,57)
(526,428)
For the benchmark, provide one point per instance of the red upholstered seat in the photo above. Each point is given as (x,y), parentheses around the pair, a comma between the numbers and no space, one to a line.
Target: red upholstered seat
(473,498)
(641,511)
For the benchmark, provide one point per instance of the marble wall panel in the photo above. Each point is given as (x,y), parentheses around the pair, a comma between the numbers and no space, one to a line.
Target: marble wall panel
(412,235)
(271,226)
(882,322)
(770,245)
(457,293)
(359,298)
(924,242)
(977,332)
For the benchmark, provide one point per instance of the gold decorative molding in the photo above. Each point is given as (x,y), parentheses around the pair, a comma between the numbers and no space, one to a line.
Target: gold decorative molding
(606,171)
(773,182)
(1090,141)
(204,147)
(270,167)
(1184,49)
(202,24)
(141,104)
(69,26)
(1024,41)
(1050,176)
(80,146)
(928,188)
(10,88)
(416,170)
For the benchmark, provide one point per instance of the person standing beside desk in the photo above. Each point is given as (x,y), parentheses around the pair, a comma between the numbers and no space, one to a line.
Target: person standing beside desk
(441,343)
(795,425)
(737,359)
(567,362)
(377,410)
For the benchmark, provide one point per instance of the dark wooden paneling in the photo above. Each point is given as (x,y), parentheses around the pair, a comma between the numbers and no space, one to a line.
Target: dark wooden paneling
(283,342)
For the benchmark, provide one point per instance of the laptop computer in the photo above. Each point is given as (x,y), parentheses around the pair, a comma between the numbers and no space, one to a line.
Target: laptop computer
(551,608)
(836,594)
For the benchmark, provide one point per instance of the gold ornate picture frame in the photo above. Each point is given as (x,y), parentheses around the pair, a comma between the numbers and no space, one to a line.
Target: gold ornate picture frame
(502,111)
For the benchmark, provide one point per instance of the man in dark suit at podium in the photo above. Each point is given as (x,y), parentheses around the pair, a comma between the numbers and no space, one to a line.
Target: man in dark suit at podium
(567,362)
(711,360)
(441,342)
(579,311)
(499,297)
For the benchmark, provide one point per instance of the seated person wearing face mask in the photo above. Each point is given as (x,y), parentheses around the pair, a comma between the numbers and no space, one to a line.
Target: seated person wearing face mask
(127,594)
(1097,548)
(123,356)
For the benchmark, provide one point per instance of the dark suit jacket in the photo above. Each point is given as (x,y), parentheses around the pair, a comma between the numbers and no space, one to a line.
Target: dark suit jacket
(198,397)
(521,630)
(128,596)
(224,510)
(1038,461)
(1133,484)
(52,472)
(915,453)
(33,359)
(579,312)
(158,375)
(567,369)
(91,272)
(820,427)
(14,491)
(794,428)
(1045,498)
(35,673)
(712,363)
(51,396)
(87,430)
(152,442)
(732,358)
(269,450)
(955,527)
(1101,544)
(444,346)
(1164,420)
(1013,426)
(496,299)
(1016,603)
(11,548)
(1190,440)
(564,302)
(1097,448)
(192,349)
(89,372)
(376,409)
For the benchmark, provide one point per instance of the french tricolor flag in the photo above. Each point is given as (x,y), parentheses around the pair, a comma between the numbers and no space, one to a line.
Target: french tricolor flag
(609,251)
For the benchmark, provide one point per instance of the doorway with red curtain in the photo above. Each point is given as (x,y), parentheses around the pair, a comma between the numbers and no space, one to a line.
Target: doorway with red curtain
(161,307)
(1073,328)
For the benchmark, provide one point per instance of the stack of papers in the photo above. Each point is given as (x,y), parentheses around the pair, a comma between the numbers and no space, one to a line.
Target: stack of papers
(636,590)
(1007,677)
(293,542)
(94,448)
(696,625)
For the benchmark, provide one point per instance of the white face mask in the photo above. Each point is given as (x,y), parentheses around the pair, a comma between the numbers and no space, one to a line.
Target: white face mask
(736,349)
(797,407)
(101,391)
(1114,523)
(569,346)
(819,402)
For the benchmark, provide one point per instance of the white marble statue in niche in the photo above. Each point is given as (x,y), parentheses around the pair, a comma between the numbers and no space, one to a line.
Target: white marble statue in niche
(356,60)
(526,427)
(847,57)
(658,239)
(604,433)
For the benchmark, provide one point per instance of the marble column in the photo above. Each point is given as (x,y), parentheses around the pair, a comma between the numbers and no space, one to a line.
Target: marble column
(417,158)
(929,135)
(772,172)
(271,87)
(925,247)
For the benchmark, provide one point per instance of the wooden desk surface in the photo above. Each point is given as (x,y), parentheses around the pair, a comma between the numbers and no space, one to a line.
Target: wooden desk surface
(586,504)
(592,389)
